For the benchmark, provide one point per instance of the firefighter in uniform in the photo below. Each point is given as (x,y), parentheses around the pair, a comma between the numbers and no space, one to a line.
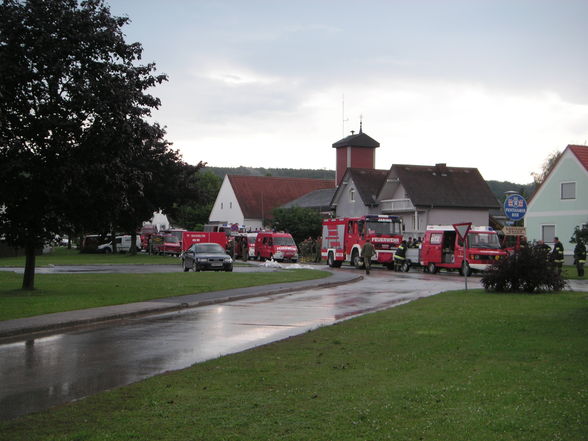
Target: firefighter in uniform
(557,255)
(367,252)
(400,256)
(580,257)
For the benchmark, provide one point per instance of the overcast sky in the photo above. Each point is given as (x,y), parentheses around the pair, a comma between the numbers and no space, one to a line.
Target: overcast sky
(492,84)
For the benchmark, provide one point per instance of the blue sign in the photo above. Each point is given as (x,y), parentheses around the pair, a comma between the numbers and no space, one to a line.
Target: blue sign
(515,207)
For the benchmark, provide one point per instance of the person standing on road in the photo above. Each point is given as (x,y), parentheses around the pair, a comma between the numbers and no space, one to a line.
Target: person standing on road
(580,257)
(400,256)
(318,255)
(367,252)
(557,255)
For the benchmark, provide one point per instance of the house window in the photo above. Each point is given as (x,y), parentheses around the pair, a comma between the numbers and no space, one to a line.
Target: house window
(230,205)
(352,195)
(568,190)
(547,233)
(221,205)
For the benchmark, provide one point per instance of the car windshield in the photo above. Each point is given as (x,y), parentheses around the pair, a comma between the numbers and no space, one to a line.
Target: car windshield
(483,240)
(171,239)
(251,239)
(209,248)
(284,241)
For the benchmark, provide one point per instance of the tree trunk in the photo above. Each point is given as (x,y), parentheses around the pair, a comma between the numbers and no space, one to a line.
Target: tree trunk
(28,281)
(133,249)
(114,245)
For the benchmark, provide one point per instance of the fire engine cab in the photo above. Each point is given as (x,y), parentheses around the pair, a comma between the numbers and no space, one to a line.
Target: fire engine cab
(443,248)
(343,239)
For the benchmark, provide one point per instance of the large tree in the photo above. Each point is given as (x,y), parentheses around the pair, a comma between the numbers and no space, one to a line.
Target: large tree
(195,211)
(300,222)
(69,85)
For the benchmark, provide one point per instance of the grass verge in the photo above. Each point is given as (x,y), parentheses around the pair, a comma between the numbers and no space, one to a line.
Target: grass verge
(456,366)
(64,256)
(68,292)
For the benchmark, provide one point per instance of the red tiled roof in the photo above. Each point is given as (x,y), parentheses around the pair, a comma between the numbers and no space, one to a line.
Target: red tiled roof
(581,152)
(264,193)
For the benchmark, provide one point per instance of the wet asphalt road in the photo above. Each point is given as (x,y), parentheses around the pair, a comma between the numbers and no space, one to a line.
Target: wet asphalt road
(48,371)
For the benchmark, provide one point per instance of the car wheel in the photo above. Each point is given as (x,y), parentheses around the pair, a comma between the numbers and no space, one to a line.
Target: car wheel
(195,267)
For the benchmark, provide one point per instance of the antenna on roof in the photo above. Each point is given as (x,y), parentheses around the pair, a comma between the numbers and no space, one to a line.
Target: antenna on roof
(360,123)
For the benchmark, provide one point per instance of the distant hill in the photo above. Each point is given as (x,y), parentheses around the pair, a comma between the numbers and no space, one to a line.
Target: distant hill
(497,187)
(277,172)
(500,187)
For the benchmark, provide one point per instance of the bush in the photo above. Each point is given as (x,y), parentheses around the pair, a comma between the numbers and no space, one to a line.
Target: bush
(527,270)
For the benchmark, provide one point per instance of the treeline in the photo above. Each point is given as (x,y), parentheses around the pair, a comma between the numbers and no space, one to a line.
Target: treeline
(500,187)
(277,172)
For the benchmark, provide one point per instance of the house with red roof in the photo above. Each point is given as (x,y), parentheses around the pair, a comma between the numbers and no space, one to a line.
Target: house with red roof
(250,200)
(560,203)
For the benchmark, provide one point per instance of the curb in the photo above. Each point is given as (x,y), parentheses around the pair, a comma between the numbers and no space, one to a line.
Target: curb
(11,329)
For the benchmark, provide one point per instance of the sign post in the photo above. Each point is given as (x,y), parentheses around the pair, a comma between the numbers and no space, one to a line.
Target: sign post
(462,232)
(515,207)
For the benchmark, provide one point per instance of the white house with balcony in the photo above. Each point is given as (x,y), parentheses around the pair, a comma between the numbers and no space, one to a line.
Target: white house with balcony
(419,194)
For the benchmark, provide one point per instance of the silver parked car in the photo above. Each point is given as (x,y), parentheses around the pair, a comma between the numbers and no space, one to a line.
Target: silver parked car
(206,256)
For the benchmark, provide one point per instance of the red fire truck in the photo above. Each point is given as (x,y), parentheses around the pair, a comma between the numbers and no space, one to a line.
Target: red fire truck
(343,239)
(191,237)
(443,249)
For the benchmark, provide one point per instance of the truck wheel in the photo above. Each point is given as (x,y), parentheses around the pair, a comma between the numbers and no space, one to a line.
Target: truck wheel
(331,260)
(355,260)
(405,267)
(432,268)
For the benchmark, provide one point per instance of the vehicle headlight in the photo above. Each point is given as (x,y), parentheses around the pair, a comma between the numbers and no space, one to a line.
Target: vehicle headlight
(202,259)
(228,260)
(279,255)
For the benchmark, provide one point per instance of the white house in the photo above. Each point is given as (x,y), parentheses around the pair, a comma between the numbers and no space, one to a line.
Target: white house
(561,202)
(250,200)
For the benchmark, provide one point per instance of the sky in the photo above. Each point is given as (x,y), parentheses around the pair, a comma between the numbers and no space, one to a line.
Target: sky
(494,84)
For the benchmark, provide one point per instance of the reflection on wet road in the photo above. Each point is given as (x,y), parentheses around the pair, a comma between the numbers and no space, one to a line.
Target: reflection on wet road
(44,372)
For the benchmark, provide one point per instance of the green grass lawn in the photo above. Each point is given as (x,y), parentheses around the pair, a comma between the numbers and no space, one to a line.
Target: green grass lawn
(456,366)
(67,292)
(64,256)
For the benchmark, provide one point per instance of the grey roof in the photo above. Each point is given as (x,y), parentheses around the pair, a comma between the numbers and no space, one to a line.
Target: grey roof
(367,181)
(442,186)
(357,140)
(318,199)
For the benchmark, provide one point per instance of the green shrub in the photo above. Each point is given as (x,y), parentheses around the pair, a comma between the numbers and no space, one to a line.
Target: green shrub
(527,270)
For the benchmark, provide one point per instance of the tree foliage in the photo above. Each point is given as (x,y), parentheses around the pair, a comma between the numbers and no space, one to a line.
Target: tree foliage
(300,222)
(75,151)
(548,164)
(195,211)
(527,270)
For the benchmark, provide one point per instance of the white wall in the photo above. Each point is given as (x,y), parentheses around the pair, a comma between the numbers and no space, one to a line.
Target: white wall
(348,208)
(226,208)
(448,216)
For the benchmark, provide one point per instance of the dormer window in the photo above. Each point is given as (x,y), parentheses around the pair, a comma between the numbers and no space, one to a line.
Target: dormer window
(352,195)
